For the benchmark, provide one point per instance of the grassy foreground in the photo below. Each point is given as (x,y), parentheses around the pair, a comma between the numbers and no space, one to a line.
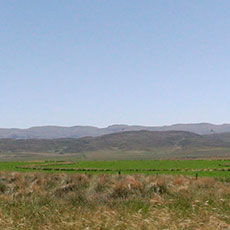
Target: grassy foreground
(107,202)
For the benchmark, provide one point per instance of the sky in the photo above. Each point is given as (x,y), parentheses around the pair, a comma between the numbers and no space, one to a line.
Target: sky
(104,62)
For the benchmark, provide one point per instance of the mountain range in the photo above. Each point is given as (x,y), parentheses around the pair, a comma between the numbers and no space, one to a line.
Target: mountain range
(52,132)
(122,145)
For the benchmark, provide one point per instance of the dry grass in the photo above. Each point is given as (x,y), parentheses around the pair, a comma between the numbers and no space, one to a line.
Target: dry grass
(37,201)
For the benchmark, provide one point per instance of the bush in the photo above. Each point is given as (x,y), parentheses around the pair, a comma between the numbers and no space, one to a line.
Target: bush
(3,187)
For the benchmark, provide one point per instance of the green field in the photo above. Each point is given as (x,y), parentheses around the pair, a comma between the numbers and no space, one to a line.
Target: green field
(211,168)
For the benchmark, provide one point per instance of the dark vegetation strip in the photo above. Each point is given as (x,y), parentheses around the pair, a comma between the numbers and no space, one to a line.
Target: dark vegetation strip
(118,170)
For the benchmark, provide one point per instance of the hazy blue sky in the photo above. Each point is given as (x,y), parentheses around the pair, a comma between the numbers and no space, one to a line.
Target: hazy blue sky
(100,62)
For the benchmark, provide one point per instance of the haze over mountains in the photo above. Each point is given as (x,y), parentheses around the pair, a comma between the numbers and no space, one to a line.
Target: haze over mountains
(51,132)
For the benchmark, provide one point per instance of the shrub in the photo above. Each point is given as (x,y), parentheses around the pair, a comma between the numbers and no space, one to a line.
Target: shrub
(3,187)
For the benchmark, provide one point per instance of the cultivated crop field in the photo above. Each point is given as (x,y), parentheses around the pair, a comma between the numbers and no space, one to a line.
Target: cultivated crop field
(210,168)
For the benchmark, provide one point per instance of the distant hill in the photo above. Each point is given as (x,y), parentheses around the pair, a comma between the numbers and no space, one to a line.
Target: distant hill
(224,137)
(125,141)
(52,132)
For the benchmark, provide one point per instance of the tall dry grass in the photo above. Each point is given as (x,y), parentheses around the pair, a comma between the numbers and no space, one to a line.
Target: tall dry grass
(42,201)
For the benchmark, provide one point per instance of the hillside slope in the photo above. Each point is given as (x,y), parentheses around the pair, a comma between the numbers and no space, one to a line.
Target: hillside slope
(125,141)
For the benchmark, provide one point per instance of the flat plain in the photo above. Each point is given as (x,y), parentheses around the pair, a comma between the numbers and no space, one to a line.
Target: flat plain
(210,168)
(115,195)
